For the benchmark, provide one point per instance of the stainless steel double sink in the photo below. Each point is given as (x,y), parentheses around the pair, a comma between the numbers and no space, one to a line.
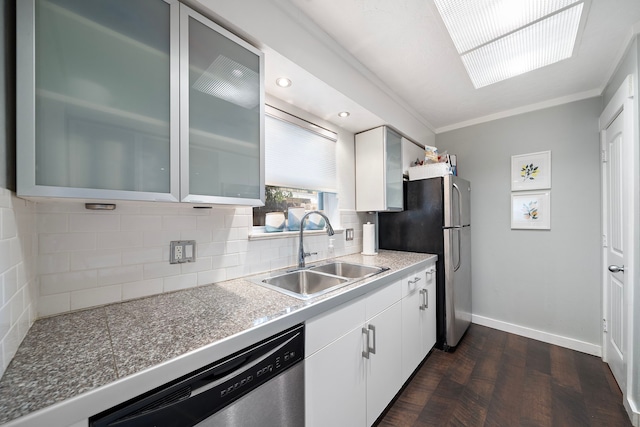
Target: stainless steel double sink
(313,281)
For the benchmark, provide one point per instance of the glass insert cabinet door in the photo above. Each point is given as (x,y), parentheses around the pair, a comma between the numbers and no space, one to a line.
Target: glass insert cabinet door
(393,170)
(97,91)
(221,113)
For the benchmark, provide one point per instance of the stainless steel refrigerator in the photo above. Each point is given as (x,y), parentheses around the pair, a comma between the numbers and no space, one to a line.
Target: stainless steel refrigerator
(436,219)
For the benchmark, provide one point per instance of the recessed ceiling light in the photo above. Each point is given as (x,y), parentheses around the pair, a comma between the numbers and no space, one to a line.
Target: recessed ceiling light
(500,39)
(283,82)
(344,114)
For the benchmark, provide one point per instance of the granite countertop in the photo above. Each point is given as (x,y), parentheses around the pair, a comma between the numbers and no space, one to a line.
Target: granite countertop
(100,357)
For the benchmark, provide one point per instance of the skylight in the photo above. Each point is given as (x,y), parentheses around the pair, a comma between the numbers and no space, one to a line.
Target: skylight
(500,39)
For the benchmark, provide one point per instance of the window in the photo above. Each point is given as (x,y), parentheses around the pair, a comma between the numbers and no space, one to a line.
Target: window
(300,167)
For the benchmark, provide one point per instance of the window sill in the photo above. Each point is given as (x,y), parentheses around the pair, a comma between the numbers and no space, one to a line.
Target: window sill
(258,233)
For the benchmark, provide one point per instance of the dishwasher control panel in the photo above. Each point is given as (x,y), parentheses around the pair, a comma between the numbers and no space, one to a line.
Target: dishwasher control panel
(194,397)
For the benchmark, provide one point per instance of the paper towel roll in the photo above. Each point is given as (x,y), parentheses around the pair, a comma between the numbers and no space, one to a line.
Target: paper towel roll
(369,239)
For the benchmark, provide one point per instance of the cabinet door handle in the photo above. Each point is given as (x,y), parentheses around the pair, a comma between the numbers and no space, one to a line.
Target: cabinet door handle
(365,352)
(372,349)
(415,280)
(426,298)
(422,291)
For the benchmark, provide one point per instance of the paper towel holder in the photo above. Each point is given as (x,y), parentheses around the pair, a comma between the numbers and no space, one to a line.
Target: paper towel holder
(369,239)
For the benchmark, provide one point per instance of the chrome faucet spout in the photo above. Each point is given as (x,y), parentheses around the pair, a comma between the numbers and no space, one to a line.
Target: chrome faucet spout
(301,253)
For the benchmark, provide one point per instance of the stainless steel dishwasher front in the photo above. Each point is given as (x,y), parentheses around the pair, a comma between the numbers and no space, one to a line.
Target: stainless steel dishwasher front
(260,386)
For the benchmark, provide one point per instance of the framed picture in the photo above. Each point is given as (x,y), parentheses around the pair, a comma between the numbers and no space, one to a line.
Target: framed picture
(531,171)
(531,210)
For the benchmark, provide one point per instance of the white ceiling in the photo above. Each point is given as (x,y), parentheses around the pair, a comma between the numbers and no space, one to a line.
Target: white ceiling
(404,43)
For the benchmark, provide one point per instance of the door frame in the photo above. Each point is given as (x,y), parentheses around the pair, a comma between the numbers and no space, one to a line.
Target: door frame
(624,103)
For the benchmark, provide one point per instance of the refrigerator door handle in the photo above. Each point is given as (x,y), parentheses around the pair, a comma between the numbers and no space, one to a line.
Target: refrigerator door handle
(459,224)
(457,266)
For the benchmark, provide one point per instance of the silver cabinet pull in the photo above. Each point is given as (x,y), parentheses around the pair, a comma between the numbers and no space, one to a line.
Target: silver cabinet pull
(616,269)
(415,280)
(372,349)
(365,352)
(422,291)
(426,298)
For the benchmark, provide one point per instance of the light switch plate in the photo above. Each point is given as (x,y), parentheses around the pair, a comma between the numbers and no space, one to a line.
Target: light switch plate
(182,251)
(348,234)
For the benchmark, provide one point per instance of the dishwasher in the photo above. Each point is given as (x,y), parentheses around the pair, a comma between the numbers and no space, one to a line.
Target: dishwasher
(261,385)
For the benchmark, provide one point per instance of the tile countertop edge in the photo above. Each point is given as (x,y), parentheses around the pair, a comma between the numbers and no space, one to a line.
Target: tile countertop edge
(87,404)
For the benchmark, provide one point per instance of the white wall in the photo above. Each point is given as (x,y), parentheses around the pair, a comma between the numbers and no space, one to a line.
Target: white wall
(547,281)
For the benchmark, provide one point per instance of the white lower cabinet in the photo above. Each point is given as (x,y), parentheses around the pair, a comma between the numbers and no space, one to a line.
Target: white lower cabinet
(353,367)
(418,318)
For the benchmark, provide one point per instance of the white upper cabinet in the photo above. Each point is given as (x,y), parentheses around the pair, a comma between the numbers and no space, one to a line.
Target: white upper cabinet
(379,170)
(222,114)
(99,107)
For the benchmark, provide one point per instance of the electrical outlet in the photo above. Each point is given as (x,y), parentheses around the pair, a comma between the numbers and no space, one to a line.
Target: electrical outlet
(182,251)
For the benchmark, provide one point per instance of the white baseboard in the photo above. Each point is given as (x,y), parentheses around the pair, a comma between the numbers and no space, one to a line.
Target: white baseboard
(573,344)
(632,410)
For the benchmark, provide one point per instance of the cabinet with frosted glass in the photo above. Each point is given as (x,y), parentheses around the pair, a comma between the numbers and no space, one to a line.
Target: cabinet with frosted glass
(144,100)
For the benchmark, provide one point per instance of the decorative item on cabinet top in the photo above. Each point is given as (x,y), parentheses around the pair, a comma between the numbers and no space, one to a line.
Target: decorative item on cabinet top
(119,127)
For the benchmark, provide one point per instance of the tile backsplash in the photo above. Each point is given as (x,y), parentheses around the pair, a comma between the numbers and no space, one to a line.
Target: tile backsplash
(18,255)
(88,258)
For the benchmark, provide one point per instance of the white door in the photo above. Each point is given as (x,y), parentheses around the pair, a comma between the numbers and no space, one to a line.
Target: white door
(615,242)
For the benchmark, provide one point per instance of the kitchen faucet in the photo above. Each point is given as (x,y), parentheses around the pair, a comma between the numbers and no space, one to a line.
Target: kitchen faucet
(301,253)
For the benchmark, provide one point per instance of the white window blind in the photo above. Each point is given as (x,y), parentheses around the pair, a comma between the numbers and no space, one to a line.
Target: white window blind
(296,157)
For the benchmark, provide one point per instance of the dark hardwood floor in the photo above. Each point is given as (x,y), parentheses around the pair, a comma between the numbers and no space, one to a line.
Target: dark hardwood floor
(500,379)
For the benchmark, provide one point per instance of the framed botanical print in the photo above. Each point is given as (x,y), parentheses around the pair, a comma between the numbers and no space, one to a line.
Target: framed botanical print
(531,171)
(531,210)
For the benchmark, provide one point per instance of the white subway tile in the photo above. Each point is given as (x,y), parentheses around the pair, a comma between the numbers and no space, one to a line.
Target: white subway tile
(231,221)
(208,249)
(211,276)
(200,236)
(259,267)
(49,305)
(141,256)
(11,342)
(17,306)
(67,242)
(162,238)
(279,263)
(10,282)
(141,289)
(52,222)
(160,269)
(95,259)
(5,255)
(94,222)
(123,239)
(182,281)
(5,320)
(3,364)
(221,235)
(141,223)
(65,282)
(178,222)
(224,261)
(236,246)
(53,263)
(96,296)
(60,206)
(9,228)
(201,264)
(123,274)
(210,222)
